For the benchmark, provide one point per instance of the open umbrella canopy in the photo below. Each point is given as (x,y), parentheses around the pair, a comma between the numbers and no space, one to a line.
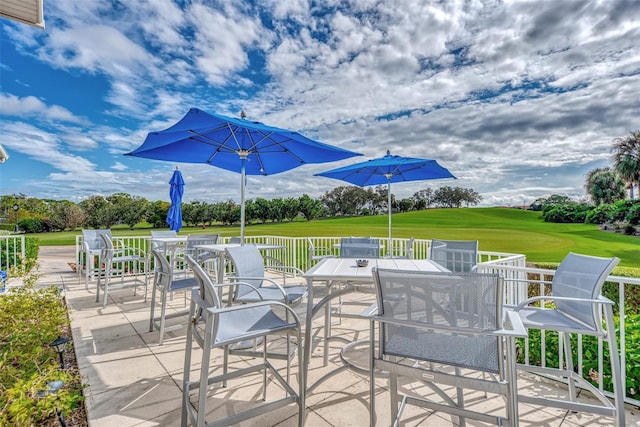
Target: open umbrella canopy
(238,145)
(388,169)
(176,190)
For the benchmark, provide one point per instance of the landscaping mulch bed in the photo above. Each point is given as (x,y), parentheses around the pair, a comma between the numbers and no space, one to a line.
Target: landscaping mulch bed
(78,418)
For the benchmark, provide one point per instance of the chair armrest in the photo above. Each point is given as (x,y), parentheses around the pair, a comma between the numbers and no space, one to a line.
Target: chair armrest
(600,300)
(235,284)
(512,325)
(248,306)
(264,279)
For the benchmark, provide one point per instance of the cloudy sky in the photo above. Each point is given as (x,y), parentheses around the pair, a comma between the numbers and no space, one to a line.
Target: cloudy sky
(518,99)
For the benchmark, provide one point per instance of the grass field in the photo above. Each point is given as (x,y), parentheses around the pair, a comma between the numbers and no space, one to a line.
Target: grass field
(497,229)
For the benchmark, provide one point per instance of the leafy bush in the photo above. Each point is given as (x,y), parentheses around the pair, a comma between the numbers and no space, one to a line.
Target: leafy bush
(566,213)
(32,225)
(619,210)
(598,215)
(633,215)
(29,320)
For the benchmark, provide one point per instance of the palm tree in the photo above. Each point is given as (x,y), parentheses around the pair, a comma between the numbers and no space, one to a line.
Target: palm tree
(626,158)
(604,185)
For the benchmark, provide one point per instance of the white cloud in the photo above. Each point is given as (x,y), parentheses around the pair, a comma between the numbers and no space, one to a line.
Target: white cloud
(518,99)
(30,106)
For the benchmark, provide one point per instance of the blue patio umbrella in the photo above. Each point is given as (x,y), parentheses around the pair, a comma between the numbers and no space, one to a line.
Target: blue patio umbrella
(176,190)
(238,145)
(388,169)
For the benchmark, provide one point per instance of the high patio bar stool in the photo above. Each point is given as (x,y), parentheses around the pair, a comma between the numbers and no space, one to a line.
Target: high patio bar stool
(437,345)
(579,308)
(121,261)
(165,283)
(213,326)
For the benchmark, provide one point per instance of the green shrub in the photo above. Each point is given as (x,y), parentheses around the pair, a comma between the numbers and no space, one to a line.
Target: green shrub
(566,213)
(598,215)
(30,320)
(619,210)
(32,225)
(633,215)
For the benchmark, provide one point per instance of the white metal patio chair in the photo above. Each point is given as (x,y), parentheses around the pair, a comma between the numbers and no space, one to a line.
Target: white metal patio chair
(579,309)
(438,347)
(213,326)
(165,283)
(249,269)
(120,261)
(455,255)
(90,253)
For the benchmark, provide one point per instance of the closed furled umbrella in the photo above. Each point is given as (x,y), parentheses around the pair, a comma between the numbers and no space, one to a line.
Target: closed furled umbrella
(388,169)
(176,190)
(238,145)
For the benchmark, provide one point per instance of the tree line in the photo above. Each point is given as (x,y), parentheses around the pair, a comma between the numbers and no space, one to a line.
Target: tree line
(39,215)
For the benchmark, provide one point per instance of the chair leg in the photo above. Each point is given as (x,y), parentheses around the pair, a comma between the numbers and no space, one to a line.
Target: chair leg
(616,369)
(186,372)
(105,294)
(372,377)
(566,341)
(153,304)
(204,375)
(163,309)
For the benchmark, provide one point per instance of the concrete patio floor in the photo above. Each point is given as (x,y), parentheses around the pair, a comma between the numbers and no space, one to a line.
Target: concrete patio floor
(133,381)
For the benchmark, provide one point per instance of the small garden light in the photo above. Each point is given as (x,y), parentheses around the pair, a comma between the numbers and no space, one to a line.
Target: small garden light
(60,344)
(54,388)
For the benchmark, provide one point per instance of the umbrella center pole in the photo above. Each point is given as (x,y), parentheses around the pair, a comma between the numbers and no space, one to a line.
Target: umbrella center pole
(389,249)
(243,158)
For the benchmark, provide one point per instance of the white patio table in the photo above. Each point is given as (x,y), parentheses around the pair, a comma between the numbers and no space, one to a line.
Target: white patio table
(345,270)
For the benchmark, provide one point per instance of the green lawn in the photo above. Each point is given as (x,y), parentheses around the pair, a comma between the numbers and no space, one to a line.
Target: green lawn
(497,229)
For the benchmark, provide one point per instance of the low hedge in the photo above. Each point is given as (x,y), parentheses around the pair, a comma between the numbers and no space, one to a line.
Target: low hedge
(30,320)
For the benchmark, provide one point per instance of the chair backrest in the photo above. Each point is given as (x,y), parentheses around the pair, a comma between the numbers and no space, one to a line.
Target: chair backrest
(91,238)
(206,287)
(455,255)
(162,269)
(235,240)
(408,249)
(107,248)
(312,248)
(582,276)
(247,263)
(359,247)
(164,233)
(452,313)
(200,239)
